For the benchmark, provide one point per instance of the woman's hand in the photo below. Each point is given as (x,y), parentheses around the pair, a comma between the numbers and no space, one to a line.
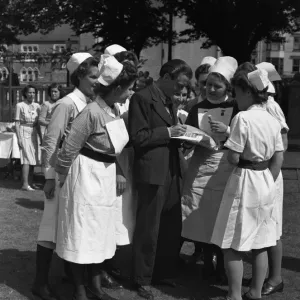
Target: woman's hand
(218,127)
(49,188)
(121,185)
(61,179)
(20,143)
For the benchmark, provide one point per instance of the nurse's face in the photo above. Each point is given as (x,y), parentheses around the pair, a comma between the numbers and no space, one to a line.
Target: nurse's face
(122,94)
(201,84)
(244,98)
(30,95)
(89,81)
(215,88)
(55,94)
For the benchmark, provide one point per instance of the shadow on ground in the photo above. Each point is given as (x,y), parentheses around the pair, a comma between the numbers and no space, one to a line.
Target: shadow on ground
(29,204)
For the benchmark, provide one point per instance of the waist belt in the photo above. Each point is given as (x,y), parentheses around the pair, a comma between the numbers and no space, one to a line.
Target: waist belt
(97,155)
(254,165)
(28,125)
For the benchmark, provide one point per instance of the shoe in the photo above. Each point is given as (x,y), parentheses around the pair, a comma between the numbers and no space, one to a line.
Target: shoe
(144,292)
(98,296)
(109,282)
(269,289)
(167,282)
(28,188)
(44,293)
(246,297)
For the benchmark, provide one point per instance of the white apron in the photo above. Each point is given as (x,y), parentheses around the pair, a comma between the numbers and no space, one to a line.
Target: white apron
(87,206)
(126,203)
(246,218)
(48,226)
(203,187)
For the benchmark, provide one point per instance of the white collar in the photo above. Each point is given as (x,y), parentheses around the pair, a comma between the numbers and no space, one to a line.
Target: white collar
(79,99)
(112,112)
(257,107)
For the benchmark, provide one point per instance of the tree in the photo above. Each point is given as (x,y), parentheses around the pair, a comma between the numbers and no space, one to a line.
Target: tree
(12,23)
(236,26)
(134,24)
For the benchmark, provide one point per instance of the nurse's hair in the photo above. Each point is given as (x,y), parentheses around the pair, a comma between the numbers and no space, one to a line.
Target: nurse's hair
(127,76)
(240,79)
(247,67)
(26,89)
(127,56)
(83,70)
(203,69)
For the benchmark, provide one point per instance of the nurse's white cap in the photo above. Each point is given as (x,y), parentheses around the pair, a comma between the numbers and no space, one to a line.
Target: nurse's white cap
(114,49)
(77,59)
(259,78)
(226,66)
(270,68)
(208,60)
(109,69)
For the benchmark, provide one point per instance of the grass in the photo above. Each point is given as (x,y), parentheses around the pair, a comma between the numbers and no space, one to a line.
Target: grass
(20,214)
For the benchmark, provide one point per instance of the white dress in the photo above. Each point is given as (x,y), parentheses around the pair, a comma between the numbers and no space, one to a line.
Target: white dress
(274,109)
(28,115)
(246,219)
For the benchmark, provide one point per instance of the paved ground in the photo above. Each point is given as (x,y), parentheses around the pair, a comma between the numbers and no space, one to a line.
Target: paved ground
(20,214)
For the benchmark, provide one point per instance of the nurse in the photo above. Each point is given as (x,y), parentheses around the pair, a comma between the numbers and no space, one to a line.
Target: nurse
(274,283)
(208,169)
(86,165)
(126,204)
(245,219)
(84,72)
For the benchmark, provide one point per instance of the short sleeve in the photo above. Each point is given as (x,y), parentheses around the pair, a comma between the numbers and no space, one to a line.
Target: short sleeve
(18,112)
(238,134)
(279,143)
(274,109)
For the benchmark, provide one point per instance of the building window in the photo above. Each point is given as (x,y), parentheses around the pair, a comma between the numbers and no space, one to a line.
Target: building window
(3,73)
(275,46)
(297,43)
(58,48)
(29,74)
(296,65)
(277,62)
(29,48)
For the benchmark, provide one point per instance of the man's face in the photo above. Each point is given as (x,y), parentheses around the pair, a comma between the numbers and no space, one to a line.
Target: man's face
(175,86)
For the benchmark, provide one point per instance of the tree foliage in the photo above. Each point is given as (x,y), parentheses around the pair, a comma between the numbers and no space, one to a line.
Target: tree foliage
(134,24)
(236,26)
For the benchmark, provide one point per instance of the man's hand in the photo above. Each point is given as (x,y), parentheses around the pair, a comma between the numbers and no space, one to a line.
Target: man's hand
(49,188)
(121,185)
(177,130)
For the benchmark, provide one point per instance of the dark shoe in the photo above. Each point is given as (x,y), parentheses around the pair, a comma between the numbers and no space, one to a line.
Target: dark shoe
(99,295)
(144,292)
(44,293)
(167,282)
(269,289)
(246,297)
(109,282)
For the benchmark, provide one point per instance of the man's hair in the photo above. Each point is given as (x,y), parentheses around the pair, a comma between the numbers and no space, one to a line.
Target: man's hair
(175,67)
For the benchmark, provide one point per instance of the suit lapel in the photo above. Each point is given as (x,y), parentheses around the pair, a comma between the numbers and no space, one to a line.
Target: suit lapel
(159,106)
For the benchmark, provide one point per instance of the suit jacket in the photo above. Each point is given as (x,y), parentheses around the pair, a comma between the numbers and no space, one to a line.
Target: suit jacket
(155,152)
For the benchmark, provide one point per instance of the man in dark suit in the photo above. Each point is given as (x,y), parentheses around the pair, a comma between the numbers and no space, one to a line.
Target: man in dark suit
(157,174)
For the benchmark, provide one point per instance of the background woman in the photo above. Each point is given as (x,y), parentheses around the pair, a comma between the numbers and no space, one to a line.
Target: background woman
(87,171)
(208,169)
(245,220)
(26,117)
(55,92)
